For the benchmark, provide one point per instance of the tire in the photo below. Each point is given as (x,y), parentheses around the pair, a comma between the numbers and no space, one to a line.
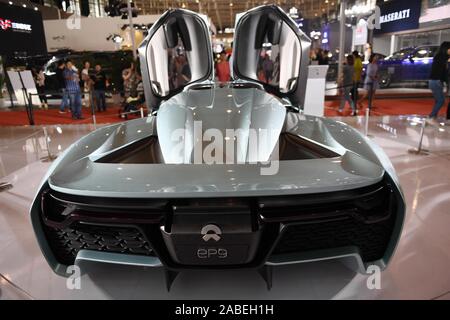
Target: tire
(385,80)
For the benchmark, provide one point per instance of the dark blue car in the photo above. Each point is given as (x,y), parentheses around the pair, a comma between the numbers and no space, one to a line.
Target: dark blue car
(407,65)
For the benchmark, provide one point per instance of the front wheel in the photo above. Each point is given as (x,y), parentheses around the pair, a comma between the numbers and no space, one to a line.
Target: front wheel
(385,80)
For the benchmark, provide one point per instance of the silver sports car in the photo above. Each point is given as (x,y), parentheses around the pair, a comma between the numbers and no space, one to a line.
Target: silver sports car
(221,174)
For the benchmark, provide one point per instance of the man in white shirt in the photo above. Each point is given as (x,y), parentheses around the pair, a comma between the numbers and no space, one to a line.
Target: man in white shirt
(87,83)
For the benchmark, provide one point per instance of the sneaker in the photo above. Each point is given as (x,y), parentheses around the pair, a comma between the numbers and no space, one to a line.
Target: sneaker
(61,111)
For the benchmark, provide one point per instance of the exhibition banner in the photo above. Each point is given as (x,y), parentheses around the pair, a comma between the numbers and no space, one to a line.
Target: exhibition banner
(399,15)
(22,30)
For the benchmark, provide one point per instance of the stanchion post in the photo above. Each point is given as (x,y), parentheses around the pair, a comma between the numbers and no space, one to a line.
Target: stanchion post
(366,124)
(30,110)
(49,157)
(419,149)
(142,112)
(94,118)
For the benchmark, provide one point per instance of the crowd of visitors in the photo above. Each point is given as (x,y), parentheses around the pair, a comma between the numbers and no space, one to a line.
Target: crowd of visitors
(86,88)
(350,80)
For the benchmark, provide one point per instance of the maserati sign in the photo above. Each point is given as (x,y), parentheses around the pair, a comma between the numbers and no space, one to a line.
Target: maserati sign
(398,15)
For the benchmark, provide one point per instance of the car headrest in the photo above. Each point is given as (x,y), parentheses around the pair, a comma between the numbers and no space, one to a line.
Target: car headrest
(269,25)
(176,28)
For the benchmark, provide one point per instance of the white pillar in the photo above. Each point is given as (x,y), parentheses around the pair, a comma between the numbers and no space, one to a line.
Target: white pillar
(341,38)
(393,40)
(130,22)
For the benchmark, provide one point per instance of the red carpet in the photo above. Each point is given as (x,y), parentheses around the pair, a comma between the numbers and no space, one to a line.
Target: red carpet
(381,107)
(52,116)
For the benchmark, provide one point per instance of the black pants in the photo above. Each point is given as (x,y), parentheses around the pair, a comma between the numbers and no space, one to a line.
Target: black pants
(448,110)
(41,91)
(354,92)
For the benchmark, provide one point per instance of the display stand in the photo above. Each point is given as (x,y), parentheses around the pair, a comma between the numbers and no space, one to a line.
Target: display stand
(315,91)
(420,150)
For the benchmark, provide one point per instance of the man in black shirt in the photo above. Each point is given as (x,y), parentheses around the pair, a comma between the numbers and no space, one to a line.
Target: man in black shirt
(61,83)
(99,79)
(438,76)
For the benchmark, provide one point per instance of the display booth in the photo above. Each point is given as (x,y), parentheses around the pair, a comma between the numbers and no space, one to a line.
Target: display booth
(315,91)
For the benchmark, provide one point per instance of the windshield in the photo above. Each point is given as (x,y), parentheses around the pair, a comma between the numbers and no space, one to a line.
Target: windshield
(399,55)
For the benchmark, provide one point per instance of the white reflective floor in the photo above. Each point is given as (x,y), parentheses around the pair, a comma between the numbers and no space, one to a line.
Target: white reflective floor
(420,268)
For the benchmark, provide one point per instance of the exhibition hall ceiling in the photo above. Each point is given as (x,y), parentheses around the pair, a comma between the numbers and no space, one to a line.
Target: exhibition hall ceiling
(223,12)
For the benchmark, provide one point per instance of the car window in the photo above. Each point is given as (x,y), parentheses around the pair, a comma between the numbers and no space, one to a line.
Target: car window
(400,55)
(52,67)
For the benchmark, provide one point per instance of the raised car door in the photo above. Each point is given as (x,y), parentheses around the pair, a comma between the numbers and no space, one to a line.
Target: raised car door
(176,53)
(270,49)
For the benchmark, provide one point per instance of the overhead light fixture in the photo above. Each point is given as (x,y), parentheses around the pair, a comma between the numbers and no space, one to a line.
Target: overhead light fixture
(231,4)
(24,5)
(117,39)
(35,8)
(10,2)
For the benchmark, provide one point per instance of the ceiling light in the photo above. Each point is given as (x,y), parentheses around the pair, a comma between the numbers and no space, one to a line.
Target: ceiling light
(231,4)
(24,5)
(10,2)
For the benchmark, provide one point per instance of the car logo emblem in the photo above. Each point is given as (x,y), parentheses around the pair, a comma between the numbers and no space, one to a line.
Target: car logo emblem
(211,231)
